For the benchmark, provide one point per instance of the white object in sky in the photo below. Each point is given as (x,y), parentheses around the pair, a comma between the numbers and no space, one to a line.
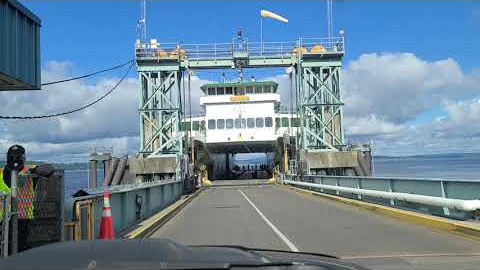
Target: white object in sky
(269,14)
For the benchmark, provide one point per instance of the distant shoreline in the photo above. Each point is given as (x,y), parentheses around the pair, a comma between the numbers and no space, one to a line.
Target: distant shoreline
(84,166)
(62,166)
(452,155)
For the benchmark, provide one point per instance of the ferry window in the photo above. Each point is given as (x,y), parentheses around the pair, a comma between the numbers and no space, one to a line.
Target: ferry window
(268,121)
(277,122)
(251,122)
(195,125)
(238,123)
(266,89)
(229,123)
(185,126)
(202,125)
(240,91)
(244,123)
(284,122)
(249,89)
(258,89)
(220,91)
(211,124)
(295,122)
(259,122)
(228,90)
(211,91)
(220,123)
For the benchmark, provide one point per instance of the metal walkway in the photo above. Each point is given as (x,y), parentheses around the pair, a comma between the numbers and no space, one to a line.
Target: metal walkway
(275,217)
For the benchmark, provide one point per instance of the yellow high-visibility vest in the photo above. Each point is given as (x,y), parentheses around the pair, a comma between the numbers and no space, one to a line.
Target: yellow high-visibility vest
(3,187)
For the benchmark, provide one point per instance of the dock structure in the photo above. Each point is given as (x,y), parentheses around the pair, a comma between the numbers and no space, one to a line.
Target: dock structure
(326,201)
(321,199)
(313,66)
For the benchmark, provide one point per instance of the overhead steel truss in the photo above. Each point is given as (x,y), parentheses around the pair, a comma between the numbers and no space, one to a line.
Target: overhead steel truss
(316,63)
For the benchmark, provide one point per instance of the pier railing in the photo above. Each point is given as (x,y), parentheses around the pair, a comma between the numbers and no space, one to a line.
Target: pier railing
(129,203)
(457,199)
(213,51)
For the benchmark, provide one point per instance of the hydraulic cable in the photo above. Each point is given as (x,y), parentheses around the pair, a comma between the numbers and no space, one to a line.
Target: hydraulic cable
(78,109)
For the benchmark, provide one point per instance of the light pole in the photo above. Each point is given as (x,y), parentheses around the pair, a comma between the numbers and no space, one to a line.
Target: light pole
(261,35)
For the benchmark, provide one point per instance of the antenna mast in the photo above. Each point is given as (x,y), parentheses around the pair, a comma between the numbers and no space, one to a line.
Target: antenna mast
(142,23)
(329,18)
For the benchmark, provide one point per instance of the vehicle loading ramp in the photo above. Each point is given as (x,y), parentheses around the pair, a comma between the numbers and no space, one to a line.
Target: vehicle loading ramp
(275,217)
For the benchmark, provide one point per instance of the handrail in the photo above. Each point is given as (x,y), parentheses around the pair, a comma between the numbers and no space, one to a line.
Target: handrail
(227,50)
(389,178)
(98,192)
(463,205)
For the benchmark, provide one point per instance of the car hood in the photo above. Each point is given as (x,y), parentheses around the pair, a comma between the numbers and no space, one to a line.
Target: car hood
(149,254)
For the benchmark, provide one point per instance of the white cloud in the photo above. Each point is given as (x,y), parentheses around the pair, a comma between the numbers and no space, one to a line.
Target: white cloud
(369,126)
(115,116)
(383,94)
(463,120)
(397,86)
(72,151)
(113,122)
(458,131)
(196,92)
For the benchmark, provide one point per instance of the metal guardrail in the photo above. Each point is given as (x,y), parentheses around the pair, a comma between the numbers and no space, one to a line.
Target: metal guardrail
(458,199)
(129,203)
(149,51)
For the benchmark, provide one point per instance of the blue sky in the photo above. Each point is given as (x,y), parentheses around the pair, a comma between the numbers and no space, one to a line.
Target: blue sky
(99,33)
(411,75)
(94,34)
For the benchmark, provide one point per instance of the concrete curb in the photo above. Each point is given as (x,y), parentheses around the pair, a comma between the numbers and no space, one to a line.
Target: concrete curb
(147,227)
(462,228)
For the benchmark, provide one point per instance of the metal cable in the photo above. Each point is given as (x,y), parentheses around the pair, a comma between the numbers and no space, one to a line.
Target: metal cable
(75,110)
(88,75)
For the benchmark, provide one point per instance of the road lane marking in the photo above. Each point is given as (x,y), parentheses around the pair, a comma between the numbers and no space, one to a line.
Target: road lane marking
(275,229)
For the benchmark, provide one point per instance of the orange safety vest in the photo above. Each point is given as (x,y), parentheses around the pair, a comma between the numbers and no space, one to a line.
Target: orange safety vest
(25,195)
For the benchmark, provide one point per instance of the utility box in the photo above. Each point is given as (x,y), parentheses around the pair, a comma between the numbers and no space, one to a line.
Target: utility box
(19,47)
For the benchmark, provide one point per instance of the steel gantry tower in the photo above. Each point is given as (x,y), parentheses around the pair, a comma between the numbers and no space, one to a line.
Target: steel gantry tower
(314,65)
(319,103)
(160,109)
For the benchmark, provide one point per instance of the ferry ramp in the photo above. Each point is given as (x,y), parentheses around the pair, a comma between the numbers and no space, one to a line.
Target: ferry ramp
(276,217)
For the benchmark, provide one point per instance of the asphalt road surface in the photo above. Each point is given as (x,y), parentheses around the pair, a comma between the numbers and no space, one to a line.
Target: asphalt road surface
(272,217)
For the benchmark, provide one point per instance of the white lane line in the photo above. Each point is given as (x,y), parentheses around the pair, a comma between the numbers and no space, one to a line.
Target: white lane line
(275,229)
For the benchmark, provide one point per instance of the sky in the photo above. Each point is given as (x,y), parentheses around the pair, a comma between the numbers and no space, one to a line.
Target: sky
(410,78)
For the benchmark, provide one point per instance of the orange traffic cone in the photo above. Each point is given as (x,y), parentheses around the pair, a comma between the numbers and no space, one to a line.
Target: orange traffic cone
(106,225)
